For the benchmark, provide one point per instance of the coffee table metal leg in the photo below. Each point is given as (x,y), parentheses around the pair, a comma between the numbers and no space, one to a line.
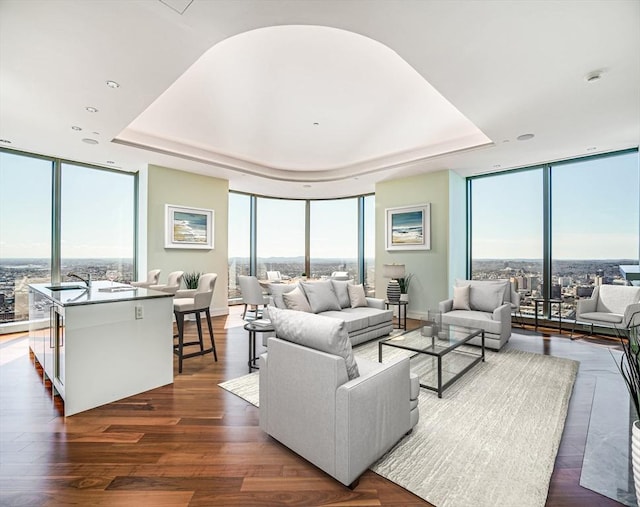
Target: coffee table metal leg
(439,376)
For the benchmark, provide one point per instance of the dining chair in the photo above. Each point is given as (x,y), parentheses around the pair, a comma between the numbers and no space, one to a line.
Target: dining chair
(252,295)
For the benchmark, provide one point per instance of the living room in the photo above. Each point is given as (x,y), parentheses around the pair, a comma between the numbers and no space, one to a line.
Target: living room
(535,89)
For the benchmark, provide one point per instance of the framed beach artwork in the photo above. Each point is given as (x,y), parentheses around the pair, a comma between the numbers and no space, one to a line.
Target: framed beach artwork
(408,228)
(188,227)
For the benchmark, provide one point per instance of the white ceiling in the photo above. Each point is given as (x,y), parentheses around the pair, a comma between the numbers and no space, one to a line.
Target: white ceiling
(398,87)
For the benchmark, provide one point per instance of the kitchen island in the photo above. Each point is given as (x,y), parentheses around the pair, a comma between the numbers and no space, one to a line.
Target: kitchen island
(101,344)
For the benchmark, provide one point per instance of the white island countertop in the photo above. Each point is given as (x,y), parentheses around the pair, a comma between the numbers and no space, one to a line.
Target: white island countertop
(101,291)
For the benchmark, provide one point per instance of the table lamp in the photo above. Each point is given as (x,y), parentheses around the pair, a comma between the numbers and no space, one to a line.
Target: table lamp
(393,271)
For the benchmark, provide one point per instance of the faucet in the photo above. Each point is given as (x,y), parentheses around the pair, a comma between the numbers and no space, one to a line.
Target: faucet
(87,280)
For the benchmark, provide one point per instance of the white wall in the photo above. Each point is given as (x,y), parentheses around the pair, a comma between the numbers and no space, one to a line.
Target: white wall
(433,270)
(169,186)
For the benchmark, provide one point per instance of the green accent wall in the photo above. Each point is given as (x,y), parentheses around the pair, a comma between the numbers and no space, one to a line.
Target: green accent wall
(433,270)
(170,186)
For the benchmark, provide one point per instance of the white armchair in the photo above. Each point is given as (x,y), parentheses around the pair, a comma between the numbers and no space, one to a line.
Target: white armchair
(613,306)
(308,403)
(488,306)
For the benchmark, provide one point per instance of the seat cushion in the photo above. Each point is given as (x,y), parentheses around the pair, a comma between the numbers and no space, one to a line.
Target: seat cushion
(316,332)
(362,317)
(183,304)
(353,322)
(607,318)
(475,319)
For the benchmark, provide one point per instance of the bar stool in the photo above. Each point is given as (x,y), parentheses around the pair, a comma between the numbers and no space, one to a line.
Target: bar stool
(152,279)
(174,280)
(194,301)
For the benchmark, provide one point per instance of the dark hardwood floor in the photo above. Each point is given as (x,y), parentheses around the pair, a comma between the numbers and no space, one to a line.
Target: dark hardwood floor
(193,443)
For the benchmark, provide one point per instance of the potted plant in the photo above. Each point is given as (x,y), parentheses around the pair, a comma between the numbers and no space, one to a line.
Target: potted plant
(191,280)
(630,369)
(404,283)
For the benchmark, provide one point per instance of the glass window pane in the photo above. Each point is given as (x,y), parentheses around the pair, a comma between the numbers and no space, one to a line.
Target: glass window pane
(370,245)
(25,231)
(334,237)
(280,237)
(507,231)
(97,222)
(594,224)
(239,240)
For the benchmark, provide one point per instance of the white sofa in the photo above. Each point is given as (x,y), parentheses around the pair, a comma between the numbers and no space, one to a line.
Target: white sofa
(488,308)
(330,298)
(340,412)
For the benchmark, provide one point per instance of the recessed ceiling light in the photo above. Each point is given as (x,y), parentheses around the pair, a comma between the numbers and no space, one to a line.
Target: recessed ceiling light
(497,166)
(75,127)
(110,162)
(89,141)
(315,124)
(96,133)
(112,84)
(592,148)
(596,75)
(525,137)
(91,109)
(5,141)
(506,141)
(306,186)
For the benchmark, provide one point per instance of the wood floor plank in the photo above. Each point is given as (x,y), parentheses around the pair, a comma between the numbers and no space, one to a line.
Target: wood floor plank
(194,444)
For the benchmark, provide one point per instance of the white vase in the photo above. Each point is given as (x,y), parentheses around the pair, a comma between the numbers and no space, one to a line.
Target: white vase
(635,455)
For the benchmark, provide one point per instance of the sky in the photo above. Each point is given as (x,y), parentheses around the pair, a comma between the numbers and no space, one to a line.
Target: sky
(595,214)
(595,210)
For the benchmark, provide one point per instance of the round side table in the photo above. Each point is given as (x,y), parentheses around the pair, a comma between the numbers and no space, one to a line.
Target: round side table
(253,329)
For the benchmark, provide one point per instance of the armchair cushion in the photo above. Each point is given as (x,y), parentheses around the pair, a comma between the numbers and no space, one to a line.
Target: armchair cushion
(316,332)
(321,296)
(461,297)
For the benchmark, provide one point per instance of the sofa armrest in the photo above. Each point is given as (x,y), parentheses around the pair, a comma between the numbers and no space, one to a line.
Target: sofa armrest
(375,303)
(445,306)
(631,315)
(586,306)
(378,401)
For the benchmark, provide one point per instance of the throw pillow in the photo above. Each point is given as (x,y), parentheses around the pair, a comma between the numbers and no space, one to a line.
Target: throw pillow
(461,298)
(357,296)
(340,287)
(296,300)
(277,290)
(316,332)
(321,296)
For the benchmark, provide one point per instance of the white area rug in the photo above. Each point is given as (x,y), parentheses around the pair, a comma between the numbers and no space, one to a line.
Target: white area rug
(490,441)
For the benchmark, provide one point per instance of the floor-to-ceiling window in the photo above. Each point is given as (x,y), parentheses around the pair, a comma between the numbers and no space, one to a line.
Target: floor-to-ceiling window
(591,208)
(239,240)
(369,234)
(333,235)
(594,204)
(97,222)
(506,231)
(58,217)
(297,237)
(25,230)
(280,237)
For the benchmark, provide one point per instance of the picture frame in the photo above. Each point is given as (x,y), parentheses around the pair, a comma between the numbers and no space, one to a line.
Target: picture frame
(408,227)
(188,227)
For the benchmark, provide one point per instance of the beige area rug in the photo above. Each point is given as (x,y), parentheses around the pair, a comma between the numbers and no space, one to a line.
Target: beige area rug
(490,441)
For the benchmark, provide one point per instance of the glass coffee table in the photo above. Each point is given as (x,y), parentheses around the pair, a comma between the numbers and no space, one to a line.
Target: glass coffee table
(438,359)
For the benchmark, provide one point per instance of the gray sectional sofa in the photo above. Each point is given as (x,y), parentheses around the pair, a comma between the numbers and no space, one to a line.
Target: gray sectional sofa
(330,298)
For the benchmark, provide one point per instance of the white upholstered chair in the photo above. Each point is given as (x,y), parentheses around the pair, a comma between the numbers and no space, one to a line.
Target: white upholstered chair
(274,276)
(194,301)
(252,295)
(309,403)
(174,280)
(612,306)
(152,279)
